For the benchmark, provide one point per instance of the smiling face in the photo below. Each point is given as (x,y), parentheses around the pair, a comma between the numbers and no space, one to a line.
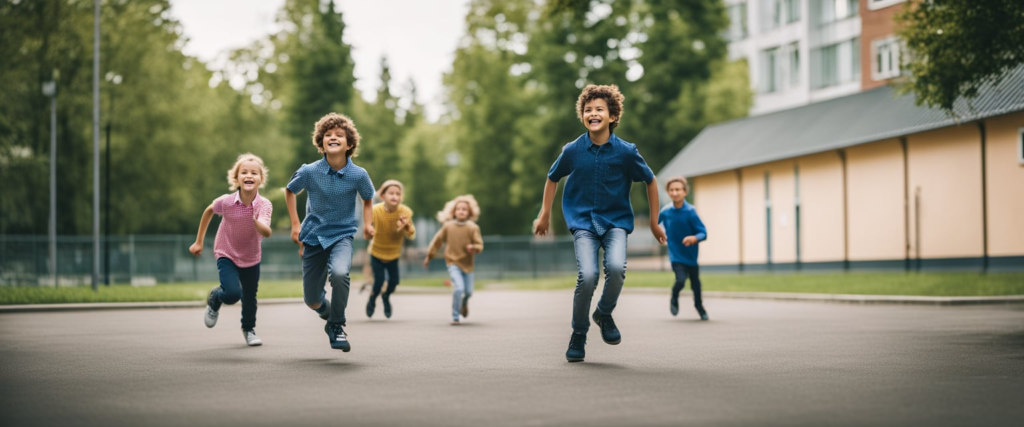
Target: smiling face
(249,176)
(335,142)
(676,192)
(392,197)
(462,211)
(596,116)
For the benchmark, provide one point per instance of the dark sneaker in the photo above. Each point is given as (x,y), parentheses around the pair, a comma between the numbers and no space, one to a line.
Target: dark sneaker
(212,307)
(371,306)
(465,309)
(250,338)
(673,306)
(577,342)
(387,306)
(609,333)
(703,314)
(455,322)
(325,310)
(339,340)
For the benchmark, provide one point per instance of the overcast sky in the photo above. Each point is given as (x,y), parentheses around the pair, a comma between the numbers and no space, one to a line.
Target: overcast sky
(417,36)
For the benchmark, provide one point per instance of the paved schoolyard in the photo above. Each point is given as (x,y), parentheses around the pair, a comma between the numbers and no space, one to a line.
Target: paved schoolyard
(755,363)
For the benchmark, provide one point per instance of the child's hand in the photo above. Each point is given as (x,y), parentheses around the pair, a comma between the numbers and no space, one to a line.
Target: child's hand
(689,240)
(368,231)
(659,234)
(196,249)
(540,225)
(402,222)
(426,263)
(295,236)
(470,248)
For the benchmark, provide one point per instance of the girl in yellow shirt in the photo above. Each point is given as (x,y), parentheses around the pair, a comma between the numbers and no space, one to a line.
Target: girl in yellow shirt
(393,224)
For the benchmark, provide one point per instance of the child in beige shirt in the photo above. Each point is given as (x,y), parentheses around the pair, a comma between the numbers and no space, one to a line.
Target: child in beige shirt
(461,237)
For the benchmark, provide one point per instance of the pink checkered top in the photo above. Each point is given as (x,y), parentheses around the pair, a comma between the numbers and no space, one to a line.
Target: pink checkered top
(237,238)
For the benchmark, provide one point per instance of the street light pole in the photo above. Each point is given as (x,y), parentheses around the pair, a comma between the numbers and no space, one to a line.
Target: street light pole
(96,147)
(114,80)
(50,90)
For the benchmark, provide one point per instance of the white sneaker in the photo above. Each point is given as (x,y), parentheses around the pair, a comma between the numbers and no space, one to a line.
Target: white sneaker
(251,339)
(211,314)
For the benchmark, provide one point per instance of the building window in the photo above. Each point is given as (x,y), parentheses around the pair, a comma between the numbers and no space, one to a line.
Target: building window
(792,11)
(794,64)
(835,64)
(775,13)
(829,11)
(737,22)
(771,71)
(885,58)
(879,4)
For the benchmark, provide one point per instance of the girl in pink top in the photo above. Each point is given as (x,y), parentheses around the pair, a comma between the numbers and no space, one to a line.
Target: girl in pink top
(246,221)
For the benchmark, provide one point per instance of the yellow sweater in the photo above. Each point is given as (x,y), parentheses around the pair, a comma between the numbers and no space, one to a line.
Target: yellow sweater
(456,236)
(387,238)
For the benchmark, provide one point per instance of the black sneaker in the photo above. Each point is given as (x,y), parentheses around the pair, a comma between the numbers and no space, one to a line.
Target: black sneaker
(339,340)
(609,333)
(371,305)
(212,308)
(325,310)
(465,308)
(577,342)
(703,314)
(673,306)
(387,306)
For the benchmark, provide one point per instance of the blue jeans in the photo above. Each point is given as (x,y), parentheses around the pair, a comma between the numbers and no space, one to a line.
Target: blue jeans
(239,284)
(379,267)
(587,244)
(462,288)
(682,272)
(317,263)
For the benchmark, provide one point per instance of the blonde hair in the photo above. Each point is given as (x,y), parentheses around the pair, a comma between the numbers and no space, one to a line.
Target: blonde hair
(448,213)
(390,183)
(247,157)
(679,179)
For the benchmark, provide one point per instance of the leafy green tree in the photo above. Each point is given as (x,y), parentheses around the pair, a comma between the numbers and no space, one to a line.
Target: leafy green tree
(957,46)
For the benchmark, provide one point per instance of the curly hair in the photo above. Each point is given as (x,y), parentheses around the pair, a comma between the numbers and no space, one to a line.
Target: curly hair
(448,213)
(610,94)
(247,157)
(679,179)
(335,120)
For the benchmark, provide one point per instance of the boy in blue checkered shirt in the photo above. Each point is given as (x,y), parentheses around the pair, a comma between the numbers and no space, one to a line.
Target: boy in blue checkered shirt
(334,184)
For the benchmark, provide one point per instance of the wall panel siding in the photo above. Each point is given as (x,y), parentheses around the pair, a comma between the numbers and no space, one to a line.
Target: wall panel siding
(754,249)
(716,198)
(1005,182)
(875,201)
(945,173)
(821,207)
(782,185)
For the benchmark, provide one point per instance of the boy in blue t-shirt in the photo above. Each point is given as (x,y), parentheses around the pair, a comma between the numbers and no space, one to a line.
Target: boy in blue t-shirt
(685,230)
(601,169)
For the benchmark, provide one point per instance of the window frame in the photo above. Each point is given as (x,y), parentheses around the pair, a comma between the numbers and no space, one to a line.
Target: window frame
(895,63)
(882,4)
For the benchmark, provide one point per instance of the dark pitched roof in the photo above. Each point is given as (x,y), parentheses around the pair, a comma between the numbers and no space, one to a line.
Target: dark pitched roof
(833,124)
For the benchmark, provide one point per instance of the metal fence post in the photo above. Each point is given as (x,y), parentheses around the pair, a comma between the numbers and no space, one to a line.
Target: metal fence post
(131,257)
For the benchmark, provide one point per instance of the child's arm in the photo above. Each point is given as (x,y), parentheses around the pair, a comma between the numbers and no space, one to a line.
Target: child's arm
(702,233)
(477,244)
(289,200)
(543,222)
(197,247)
(405,223)
(435,244)
(652,200)
(367,214)
(261,218)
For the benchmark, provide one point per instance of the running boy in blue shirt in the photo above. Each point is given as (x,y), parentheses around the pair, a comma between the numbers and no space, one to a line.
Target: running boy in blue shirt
(685,230)
(334,185)
(600,168)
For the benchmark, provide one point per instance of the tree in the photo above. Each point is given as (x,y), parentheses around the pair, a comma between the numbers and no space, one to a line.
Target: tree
(957,46)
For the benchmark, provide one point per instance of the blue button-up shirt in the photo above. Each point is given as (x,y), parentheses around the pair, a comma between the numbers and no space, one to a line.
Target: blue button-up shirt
(680,223)
(596,196)
(331,210)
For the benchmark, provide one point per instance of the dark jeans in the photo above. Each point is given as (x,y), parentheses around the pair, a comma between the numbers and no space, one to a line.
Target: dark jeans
(682,271)
(318,263)
(239,283)
(379,267)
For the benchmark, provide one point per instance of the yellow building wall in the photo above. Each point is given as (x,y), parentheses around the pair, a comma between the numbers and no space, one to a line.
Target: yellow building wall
(1005,181)
(944,172)
(716,198)
(782,187)
(875,201)
(754,247)
(821,207)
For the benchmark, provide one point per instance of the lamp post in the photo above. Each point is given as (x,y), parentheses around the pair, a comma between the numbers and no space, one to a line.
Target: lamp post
(50,90)
(96,146)
(114,79)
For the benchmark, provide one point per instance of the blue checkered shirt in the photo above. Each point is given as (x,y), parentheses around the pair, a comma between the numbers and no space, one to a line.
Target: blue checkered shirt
(331,210)
(596,196)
